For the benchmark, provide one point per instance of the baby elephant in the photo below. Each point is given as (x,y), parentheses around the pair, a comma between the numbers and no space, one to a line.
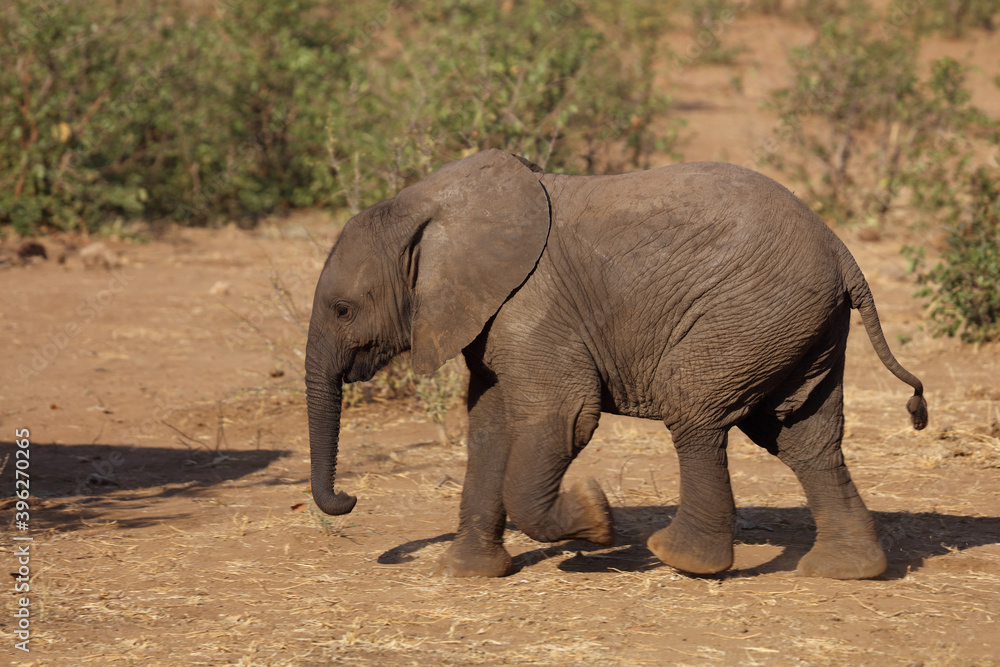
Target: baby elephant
(703,295)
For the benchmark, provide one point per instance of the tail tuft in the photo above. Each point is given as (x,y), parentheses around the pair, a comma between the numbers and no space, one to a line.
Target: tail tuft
(860,296)
(917,407)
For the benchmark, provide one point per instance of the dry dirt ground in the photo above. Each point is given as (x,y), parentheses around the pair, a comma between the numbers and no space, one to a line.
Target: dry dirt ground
(172,524)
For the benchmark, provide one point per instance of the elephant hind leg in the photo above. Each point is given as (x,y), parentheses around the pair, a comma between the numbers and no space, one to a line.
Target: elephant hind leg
(700,538)
(541,452)
(809,442)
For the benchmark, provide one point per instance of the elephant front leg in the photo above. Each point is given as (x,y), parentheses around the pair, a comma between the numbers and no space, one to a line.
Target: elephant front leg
(700,538)
(543,447)
(478,550)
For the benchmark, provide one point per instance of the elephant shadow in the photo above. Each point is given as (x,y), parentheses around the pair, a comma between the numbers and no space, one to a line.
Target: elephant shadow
(910,539)
(95,481)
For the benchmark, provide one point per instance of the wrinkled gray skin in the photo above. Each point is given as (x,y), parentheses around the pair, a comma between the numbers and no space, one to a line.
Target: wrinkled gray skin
(703,295)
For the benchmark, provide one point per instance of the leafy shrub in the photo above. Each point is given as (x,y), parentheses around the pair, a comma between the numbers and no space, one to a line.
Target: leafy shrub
(964,286)
(711,19)
(395,381)
(60,89)
(849,79)
(952,18)
(244,108)
(466,75)
(153,112)
(257,112)
(442,391)
(436,394)
(955,17)
(879,137)
(859,116)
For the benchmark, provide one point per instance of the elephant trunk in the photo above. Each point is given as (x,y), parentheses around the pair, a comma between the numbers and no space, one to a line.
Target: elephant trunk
(324,395)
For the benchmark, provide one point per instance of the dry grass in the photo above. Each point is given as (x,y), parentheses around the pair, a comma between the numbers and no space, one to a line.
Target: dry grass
(247,572)
(211,553)
(242,578)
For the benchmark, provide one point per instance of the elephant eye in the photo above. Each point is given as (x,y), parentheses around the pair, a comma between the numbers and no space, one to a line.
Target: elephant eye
(343,311)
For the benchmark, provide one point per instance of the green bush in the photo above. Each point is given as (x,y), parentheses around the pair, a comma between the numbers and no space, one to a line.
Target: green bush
(396,381)
(711,20)
(867,136)
(954,18)
(860,117)
(437,394)
(258,109)
(153,112)
(964,286)
(249,107)
(461,76)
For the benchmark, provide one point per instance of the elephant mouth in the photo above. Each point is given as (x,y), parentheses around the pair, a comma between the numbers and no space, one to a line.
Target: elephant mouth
(367,362)
(360,375)
(362,370)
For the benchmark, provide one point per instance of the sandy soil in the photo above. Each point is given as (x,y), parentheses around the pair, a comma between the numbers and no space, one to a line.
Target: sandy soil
(172,523)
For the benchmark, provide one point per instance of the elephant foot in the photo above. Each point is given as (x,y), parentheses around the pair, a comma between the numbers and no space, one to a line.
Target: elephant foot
(585,508)
(840,561)
(459,562)
(691,550)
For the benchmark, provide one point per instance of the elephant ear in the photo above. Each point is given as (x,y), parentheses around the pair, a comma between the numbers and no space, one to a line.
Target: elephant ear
(479,226)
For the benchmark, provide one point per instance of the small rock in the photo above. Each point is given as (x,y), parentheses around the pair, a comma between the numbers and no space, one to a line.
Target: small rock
(99,256)
(220,288)
(869,234)
(277,373)
(31,249)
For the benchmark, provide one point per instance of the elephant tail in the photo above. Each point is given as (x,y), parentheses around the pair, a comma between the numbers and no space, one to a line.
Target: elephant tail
(860,296)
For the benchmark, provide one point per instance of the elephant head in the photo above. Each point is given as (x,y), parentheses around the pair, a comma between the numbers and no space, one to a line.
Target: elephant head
(424,271)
